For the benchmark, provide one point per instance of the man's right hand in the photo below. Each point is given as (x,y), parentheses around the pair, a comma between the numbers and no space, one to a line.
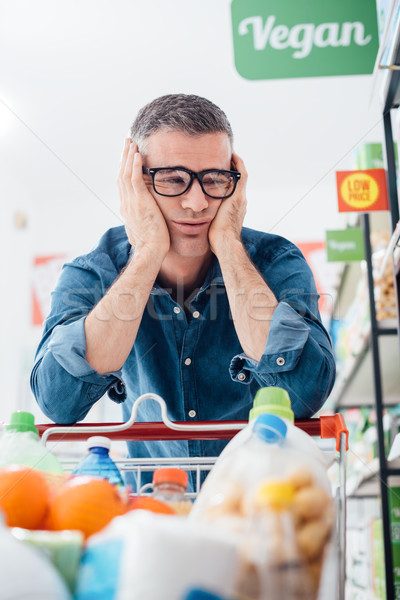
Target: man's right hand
(144,222)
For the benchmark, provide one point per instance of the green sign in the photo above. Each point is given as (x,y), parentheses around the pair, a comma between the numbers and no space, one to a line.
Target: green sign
(394,504)
(275,39)
(345,245)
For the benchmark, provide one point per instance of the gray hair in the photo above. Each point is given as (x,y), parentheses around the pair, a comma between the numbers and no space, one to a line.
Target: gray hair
(186,113)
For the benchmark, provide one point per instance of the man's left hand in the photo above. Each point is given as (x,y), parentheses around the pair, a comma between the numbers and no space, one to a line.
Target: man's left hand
(226,226)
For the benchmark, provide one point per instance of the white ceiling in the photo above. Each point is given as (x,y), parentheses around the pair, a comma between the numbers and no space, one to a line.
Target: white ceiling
(73,74)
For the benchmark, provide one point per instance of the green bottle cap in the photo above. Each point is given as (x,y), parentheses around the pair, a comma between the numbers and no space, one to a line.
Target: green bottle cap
(273,400)
(22,421)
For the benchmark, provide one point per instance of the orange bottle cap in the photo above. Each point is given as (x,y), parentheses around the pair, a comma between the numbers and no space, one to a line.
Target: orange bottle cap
(170,475)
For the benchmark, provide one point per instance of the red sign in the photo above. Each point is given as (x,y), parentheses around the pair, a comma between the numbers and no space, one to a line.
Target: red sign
(362,191)
(44,276)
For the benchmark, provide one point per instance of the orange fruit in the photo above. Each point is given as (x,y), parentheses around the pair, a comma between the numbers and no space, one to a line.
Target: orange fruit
(24,496)
(85,503)
(149,503)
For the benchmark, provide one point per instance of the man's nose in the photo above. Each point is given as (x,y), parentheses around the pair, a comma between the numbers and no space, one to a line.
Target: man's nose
(194,198)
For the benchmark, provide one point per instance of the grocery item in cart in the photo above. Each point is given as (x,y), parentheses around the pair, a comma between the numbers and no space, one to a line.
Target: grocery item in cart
(146,502)
(26,573)
(148,556)
(276,401)
(85,503)
(24,496)
(202,595)
(277,497)
(98,461)
(20,445)
(169,486)
(62,548)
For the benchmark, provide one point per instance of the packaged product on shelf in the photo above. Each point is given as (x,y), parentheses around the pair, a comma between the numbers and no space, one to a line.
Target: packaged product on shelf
(20,445)
(352,332)
(378,560)
(270,488)
(385,300)
(394,505)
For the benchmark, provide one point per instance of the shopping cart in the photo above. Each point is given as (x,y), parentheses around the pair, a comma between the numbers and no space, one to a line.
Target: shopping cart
(325,427)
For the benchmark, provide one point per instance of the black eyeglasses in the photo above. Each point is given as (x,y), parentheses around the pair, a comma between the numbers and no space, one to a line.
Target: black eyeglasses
(175,181)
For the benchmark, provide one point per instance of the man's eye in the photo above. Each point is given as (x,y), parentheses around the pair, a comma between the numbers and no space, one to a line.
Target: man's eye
(217,181)
(172,180)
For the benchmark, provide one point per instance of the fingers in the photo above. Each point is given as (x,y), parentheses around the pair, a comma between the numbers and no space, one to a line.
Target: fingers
(137,179)
(127,172)
(124,157)
(238,165)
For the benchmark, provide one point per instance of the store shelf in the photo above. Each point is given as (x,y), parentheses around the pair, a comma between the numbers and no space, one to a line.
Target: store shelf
(354,383)
(365,482)
(388,56)
(351,275)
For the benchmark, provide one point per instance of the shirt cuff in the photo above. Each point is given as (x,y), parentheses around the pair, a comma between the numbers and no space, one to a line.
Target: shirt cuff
(287,337)
(68,346)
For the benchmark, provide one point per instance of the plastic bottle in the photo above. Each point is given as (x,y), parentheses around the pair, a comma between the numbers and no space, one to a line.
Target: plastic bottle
(276,401)
(20,445)
(169,486)
(270,486)
(202,595)
(98,462)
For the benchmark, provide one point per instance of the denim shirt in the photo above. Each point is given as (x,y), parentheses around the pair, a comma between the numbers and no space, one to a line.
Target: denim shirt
(219,381)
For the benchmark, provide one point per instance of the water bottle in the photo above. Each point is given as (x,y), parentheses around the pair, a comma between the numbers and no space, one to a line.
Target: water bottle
(98,462)
(20,445)
(169,486)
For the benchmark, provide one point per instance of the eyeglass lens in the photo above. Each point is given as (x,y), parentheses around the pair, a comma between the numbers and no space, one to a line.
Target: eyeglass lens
(172,182)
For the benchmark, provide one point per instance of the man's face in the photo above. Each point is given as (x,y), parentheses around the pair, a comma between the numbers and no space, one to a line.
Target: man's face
(188,217)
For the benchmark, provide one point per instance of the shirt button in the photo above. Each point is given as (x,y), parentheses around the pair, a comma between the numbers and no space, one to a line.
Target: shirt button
(280,361)
(192,413)
(188,361)
(177,310)
(241,376)
(196,314)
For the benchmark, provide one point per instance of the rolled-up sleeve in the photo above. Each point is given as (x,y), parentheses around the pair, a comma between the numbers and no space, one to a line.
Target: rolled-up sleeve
(63,382)
(298,353)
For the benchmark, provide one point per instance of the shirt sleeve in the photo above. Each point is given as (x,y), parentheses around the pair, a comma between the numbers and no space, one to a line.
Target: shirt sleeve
(298,353)
(63,382)
(286,339)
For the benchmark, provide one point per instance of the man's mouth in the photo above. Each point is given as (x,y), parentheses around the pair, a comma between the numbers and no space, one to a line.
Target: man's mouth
(192,226)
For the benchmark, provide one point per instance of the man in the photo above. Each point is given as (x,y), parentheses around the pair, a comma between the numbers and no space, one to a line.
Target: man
(183,301)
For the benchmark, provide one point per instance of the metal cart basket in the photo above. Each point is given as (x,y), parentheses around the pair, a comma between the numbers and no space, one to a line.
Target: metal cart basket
(323,427)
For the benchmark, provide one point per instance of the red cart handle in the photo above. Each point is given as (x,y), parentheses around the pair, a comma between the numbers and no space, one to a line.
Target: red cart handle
(324,427)
(173,430)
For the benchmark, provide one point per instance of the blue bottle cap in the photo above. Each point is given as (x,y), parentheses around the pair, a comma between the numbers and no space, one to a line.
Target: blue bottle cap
(270,428)
(202,595)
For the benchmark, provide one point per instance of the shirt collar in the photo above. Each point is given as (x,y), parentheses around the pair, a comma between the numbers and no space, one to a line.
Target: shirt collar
(213,277)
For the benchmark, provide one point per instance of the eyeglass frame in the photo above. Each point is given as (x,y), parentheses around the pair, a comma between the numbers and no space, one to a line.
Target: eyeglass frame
(193,175)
